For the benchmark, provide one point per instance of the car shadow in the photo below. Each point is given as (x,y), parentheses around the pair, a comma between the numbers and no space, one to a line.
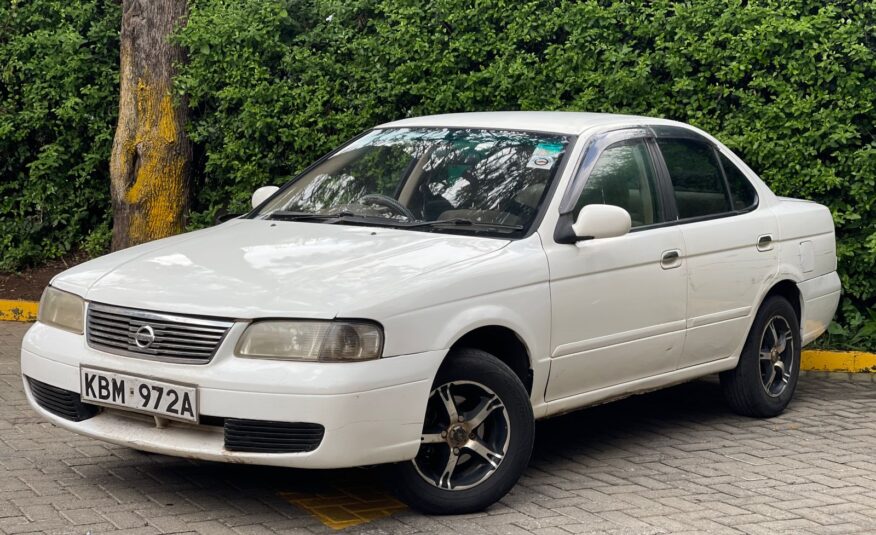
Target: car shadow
(660,412)
(620,426)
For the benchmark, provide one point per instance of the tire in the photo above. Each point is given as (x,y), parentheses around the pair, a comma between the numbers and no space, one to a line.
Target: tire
(479,385)
(763,382)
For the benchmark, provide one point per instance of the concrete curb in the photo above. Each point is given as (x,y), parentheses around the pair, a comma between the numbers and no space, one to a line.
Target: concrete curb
(814,360)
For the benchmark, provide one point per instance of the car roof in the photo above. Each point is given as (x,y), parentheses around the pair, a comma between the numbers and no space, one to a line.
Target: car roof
(561,122)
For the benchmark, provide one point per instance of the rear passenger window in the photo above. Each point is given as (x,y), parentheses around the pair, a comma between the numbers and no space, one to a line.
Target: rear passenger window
(696,178)
(741,191)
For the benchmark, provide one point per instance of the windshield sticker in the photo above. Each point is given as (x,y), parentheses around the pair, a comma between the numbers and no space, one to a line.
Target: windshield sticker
(551,148)
(454,172)
(544,156)
(540,162)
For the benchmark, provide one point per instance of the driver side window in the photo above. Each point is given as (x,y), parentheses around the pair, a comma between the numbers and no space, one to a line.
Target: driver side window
(624,176)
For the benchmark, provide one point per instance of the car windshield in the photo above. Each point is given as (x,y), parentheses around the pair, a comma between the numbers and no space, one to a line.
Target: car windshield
(438,179)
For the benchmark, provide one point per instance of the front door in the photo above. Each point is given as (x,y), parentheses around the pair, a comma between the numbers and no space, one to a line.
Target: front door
(618,304)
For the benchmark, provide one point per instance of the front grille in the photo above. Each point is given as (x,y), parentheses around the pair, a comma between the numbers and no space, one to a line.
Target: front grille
(271,437)
(60,402)
(140,333)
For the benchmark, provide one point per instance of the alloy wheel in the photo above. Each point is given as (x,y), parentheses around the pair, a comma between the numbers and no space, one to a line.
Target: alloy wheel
(776,356)
(465,436)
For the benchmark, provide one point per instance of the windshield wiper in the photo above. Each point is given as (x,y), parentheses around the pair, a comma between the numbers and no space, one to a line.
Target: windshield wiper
(462,222)
(343,216)
(349,217)
(286,215)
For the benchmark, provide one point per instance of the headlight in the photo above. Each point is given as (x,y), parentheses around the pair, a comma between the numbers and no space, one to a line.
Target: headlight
(62,310)
(324,341)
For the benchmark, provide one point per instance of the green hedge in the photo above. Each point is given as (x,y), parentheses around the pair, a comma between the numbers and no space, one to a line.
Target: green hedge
(790,85)
(58,104)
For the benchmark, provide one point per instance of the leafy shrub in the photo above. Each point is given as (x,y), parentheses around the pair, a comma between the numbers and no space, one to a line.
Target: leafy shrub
(58,102)
(857,330)
(97,242)
(790,85)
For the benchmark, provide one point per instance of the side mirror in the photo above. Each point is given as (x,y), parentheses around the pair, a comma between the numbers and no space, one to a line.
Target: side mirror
(601,221)
(263,193)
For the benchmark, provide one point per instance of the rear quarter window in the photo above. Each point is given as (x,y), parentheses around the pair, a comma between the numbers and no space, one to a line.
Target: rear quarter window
(742,192)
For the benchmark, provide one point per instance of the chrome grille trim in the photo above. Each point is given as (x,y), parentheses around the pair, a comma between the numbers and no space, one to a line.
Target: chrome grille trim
(183,339)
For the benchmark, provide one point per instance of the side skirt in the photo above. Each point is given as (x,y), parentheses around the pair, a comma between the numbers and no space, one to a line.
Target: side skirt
(639,386)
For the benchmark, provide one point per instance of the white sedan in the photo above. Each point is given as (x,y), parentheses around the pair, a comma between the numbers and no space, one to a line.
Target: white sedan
(423,294)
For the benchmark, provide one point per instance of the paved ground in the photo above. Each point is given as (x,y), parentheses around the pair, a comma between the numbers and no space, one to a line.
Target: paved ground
(671,462)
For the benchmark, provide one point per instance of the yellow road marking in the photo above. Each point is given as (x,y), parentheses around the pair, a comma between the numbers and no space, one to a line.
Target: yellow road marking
(838,361)
(343,506)
(18,310)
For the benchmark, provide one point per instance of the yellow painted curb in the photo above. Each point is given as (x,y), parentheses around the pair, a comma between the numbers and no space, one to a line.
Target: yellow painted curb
(838,361)
(18,310)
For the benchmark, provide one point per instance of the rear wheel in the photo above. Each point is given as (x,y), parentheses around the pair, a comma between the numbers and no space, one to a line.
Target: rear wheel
(476,441)
(763,382)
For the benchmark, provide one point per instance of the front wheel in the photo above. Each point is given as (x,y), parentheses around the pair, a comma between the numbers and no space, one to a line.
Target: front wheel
(476,441)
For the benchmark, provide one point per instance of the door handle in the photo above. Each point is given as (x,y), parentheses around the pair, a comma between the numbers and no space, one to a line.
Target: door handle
(670,259)
(765,242)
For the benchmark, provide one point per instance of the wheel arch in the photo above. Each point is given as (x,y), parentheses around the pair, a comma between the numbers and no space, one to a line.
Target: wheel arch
(788,289)
(784,287)
(503,343)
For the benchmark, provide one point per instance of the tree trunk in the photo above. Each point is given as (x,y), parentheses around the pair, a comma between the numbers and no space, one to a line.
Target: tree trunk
(150,166)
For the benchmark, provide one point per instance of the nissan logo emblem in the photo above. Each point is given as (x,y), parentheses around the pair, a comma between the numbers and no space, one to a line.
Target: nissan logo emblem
(144,337)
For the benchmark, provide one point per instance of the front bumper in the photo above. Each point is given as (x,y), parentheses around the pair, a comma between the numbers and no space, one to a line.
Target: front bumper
(372,411)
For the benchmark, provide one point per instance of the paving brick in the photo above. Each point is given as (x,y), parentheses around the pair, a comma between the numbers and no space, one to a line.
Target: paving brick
(125,519)
(674,461)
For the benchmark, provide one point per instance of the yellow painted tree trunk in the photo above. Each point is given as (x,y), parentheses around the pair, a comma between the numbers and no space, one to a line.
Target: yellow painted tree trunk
(150,166)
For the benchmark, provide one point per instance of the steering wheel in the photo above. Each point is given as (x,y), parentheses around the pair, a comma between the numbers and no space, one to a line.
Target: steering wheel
(388,202)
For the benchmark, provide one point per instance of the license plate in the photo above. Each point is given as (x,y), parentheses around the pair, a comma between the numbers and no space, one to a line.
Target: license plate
(140,394)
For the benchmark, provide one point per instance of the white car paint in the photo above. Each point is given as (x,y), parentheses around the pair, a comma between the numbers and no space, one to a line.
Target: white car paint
(257,268)
(600,319)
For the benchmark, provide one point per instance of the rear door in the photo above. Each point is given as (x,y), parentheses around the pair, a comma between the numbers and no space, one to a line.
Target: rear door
(728,240)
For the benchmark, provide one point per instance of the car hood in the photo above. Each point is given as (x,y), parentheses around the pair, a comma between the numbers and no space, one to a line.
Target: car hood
(257,268)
